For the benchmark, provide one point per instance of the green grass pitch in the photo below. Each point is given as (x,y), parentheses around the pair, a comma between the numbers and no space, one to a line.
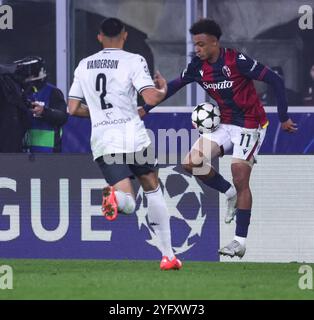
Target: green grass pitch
(142,280)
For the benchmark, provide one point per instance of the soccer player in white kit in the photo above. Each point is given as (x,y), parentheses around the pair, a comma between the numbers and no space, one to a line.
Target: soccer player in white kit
(109,81)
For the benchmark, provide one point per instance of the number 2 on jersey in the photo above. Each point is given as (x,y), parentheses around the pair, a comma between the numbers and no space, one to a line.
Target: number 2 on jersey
(101,78)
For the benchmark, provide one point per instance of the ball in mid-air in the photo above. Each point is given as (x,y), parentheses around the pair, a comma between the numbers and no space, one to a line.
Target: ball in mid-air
(206,117)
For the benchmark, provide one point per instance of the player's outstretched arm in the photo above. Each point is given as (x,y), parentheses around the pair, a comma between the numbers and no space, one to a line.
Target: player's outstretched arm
(278,85)
(76,108)
(257,71)
(173,86)
(187,76)
(155,95)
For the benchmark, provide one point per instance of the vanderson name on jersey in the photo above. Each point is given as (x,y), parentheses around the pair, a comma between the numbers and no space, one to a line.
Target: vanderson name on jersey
(103,63)
(109,82)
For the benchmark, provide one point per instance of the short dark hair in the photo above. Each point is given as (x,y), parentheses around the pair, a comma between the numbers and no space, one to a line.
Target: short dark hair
(111,27)
(207,26)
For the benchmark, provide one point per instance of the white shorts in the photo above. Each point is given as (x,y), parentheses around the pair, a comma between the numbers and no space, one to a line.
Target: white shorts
(246,143)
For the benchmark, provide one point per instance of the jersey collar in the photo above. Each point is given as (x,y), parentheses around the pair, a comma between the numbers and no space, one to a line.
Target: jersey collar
(111,49)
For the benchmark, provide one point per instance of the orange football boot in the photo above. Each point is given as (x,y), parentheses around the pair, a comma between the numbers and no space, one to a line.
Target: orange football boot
(166,264)
(109,203)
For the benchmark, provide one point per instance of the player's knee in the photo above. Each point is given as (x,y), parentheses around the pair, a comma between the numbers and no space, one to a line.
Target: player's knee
(188,167)
(149,181)
(240,179)
(241,183)
(241,176)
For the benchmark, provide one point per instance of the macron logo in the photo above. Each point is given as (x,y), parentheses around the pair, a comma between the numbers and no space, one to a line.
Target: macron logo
(241,57)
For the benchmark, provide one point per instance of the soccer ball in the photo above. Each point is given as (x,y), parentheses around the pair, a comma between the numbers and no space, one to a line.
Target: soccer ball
(206,117)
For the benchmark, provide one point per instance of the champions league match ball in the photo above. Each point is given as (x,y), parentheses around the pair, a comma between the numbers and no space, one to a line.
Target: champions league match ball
(206,117)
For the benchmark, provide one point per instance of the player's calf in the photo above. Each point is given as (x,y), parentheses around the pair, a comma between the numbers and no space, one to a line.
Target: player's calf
(126,202)
(216,181)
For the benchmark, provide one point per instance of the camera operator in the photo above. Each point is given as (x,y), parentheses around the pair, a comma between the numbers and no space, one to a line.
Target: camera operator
(48,107)
(14,113)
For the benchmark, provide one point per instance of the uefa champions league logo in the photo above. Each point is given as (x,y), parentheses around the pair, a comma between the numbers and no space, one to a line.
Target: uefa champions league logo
(183,196)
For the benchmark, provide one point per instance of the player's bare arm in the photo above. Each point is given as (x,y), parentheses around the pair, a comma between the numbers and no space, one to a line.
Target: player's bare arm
(155,95)
(76,108)
(173,86)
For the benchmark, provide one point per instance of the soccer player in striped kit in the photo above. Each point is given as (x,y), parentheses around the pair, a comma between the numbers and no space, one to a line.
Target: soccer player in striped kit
(227,76)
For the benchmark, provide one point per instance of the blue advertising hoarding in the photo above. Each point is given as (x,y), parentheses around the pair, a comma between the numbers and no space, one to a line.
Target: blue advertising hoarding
(77,131)
(50,208)
(50,203)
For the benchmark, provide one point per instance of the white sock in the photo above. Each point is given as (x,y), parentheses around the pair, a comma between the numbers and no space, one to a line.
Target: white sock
(126,203)
(241,240)
(231,192)
(159,220)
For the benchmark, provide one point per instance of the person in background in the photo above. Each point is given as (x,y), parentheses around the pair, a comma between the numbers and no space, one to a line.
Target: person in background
(48,110)
(269,96)
(14,110)
(308,98)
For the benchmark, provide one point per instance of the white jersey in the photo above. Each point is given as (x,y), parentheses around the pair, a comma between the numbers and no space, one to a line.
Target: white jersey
(109,81)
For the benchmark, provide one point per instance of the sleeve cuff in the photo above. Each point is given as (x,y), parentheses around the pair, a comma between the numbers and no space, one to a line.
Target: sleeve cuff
(283,118)
(76,98)
(145,87)
(148,107)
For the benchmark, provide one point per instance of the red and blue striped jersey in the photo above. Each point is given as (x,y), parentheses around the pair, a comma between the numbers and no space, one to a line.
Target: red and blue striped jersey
(230,82)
